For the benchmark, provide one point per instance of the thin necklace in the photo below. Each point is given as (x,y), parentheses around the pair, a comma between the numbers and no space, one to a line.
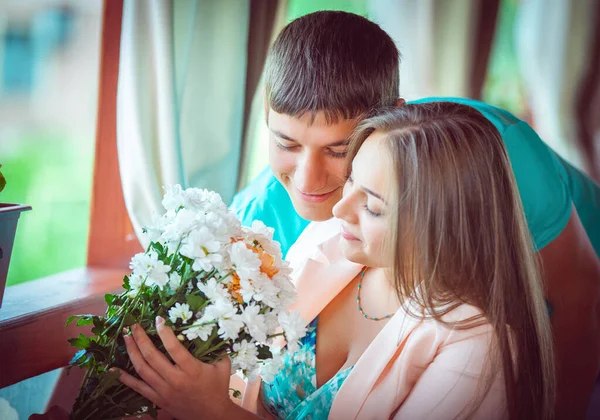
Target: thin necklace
(360,309)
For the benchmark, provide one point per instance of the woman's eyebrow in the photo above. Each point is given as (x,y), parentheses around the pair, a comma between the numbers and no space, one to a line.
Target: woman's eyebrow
(374,194)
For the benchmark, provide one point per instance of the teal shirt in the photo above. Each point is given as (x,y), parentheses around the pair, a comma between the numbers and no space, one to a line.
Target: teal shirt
(548,185)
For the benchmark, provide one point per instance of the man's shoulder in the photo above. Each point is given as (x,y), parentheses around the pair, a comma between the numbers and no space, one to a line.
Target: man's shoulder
(256,194)
(501,118)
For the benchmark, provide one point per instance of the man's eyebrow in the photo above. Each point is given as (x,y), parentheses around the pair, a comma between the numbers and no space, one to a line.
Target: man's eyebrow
(374,194)
(284,136)
(338,143)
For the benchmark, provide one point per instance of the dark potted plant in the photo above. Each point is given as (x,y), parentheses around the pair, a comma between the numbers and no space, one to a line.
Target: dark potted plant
(9,216)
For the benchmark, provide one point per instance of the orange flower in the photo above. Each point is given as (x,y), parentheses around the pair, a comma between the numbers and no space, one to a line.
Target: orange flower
(234,288)
(268,264)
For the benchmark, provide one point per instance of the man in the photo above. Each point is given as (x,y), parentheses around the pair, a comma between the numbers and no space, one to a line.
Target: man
(327,69)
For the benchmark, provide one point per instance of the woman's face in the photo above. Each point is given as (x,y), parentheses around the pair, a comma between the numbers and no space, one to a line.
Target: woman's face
(365,206)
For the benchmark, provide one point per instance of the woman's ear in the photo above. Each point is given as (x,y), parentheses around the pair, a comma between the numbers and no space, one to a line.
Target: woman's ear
(400,102)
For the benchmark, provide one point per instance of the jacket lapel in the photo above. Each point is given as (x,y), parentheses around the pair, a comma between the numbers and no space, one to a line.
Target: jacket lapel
(322,278)
(362,379)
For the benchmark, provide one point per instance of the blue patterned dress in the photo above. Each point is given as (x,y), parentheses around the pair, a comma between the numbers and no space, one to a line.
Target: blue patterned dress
(293,394)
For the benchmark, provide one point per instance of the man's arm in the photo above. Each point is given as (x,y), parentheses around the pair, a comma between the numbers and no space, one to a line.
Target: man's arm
(571,270)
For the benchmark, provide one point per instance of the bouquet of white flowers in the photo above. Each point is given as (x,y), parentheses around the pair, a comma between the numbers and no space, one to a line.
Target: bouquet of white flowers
(222,288)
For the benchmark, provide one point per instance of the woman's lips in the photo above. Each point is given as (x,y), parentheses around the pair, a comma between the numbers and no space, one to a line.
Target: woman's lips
(316,198)
(348,236)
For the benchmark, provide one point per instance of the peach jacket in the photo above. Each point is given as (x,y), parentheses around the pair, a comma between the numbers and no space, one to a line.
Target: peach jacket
(413,369)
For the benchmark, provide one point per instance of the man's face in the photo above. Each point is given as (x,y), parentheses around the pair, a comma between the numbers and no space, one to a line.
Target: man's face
(309,159)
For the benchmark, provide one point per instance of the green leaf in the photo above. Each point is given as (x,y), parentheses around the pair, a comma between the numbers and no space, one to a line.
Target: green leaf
(81,342)
(108,380)
(264,352)
(99,325)
(196,302)
(128,320)
(126,283)
(71,319)
(100,353)
(109,299)
(85,320)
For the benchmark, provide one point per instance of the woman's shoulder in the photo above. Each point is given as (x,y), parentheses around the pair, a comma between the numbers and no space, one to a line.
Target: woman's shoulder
(464,322)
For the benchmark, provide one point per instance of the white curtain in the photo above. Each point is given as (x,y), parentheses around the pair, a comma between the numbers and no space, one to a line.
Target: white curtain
(554,43)
(257,133)
(436,40)
(180,99)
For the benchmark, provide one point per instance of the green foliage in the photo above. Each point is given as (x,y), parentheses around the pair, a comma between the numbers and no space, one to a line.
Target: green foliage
(102,396)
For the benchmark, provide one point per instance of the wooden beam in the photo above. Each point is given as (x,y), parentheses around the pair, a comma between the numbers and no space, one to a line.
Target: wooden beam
(32,320)
(112,240)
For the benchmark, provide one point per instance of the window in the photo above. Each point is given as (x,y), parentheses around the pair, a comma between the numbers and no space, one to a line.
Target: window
(49,58)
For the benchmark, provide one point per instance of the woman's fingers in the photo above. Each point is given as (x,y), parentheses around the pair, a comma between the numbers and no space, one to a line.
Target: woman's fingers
(146,372)
(153,357)
(184,359)
(140,387)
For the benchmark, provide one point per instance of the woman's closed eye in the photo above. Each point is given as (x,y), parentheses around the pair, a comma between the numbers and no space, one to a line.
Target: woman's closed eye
(371,212)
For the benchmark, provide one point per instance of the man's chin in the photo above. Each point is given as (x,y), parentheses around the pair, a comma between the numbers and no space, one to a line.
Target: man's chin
(314,213)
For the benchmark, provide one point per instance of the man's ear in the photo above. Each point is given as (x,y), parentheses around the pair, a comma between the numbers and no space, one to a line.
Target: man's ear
(400,102)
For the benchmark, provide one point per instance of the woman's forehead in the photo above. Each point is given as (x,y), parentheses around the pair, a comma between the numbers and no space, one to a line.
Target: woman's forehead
(371,168)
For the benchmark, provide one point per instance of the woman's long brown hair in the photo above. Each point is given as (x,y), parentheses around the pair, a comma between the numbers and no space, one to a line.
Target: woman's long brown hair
(460,236)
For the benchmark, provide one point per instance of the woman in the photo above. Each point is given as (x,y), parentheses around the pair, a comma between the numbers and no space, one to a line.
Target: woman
(424,291)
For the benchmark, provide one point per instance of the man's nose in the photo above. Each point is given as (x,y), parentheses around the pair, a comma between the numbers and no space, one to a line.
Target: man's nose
(311,174)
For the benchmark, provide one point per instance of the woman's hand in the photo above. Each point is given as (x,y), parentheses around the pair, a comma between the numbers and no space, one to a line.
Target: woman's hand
(189,389)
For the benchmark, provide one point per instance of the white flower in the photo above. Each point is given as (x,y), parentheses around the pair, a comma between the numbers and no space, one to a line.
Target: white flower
(184,222)
(246,355)
(148,266)
(218,310)
(271,367)
(174,197)
(287,292)
(159,275)
(156,228)
(294,328)
(247,290)
(174,281)
(202,246)
(180,310)
(272,322)
(255,323)
(199,331)
(266,290)
(213,290)
(260,228)
(195,199)
(229,329)
(144,262)
(245,261)
(135,281)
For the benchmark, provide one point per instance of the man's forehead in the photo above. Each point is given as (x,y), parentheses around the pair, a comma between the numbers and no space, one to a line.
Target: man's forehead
(301,129)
